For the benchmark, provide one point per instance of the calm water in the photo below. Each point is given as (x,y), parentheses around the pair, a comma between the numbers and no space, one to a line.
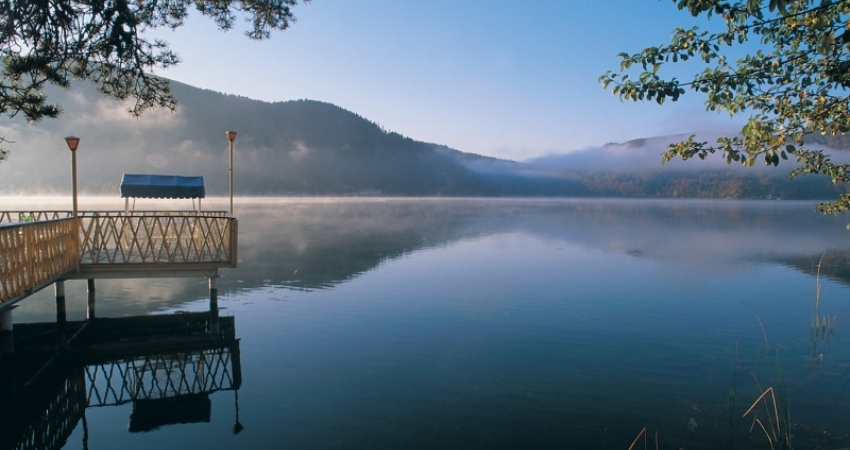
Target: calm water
(508,324)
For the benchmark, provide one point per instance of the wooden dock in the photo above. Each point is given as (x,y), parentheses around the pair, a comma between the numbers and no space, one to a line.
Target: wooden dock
(52,245)
(166,366)
(43,248)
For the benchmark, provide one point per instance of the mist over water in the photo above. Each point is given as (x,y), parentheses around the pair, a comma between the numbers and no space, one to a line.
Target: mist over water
(306,243)
(645,154)
(475,323)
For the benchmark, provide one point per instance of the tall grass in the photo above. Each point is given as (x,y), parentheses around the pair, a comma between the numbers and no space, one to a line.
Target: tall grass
(770,412)
(822,327)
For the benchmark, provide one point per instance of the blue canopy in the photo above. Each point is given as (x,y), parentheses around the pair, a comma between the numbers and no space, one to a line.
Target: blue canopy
(162,186)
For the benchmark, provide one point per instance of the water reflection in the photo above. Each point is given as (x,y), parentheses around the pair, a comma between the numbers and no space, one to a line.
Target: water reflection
(498,323)
(165,366)
(310,244)
(833,264)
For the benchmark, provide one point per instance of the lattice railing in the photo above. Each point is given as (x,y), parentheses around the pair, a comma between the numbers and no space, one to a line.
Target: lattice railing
(160,213)
(33,254)
(37,247)
(32,216)
(160,376)
(36,216)
(157,238)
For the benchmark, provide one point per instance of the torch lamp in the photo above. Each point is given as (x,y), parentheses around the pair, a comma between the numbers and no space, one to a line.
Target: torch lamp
(73,142)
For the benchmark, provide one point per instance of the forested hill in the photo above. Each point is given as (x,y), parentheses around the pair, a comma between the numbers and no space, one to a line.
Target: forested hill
(299,147)
(306,147)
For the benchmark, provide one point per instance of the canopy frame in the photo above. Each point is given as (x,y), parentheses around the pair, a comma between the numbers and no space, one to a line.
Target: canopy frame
(161,186)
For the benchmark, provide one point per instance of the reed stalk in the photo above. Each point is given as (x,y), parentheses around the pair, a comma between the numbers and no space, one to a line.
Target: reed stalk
(780,433)
(642,433)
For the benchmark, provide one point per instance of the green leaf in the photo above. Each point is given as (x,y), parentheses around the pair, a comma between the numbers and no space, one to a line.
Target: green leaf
(785,63)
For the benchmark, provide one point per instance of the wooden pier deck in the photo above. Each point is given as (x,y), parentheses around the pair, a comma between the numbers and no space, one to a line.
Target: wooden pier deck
(38,248)
(167,366)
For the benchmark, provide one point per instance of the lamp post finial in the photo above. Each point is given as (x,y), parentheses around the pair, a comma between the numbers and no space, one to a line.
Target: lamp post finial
(73,142)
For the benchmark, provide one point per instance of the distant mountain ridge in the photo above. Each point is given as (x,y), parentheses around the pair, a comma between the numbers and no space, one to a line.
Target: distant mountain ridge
(306,147)
(300,147)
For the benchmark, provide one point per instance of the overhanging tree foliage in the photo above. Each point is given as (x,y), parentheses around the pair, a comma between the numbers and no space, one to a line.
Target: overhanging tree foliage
(103,41)
(794,84)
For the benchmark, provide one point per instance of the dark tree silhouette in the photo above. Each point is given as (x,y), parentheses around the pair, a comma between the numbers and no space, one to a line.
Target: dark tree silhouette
(103,41)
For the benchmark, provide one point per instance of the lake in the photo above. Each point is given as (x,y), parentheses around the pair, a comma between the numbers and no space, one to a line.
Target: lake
(475,323)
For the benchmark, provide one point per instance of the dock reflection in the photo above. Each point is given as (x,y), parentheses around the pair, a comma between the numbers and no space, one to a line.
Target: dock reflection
(166,366)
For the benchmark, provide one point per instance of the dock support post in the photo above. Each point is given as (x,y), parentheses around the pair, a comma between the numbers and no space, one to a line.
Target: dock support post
(7,336)
(61,315)
(214,325)
(90,313)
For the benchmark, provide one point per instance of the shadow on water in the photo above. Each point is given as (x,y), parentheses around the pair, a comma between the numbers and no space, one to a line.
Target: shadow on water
(165,366)
(834,264)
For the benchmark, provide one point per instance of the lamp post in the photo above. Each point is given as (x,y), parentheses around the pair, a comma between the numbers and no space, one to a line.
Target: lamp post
(73,142)
(231,136)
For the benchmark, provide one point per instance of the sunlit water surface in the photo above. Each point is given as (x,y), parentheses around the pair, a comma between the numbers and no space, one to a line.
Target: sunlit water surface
(429,323)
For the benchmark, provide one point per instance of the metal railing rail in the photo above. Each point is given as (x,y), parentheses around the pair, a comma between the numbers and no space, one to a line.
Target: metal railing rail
(34,254)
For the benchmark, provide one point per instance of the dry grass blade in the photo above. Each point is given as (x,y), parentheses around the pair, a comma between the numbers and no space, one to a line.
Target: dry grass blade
(642,432)
(765,433)
(817,283)
(775,431)
(766,406)
(763,333)
(770,389)
(776,412)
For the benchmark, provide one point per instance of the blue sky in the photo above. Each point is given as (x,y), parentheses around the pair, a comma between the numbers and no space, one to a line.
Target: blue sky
(500,78)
